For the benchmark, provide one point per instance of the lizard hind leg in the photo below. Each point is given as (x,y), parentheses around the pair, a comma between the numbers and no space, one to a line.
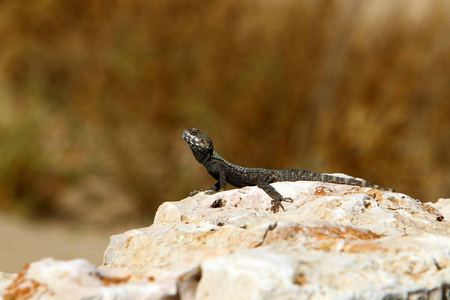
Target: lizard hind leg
(277,198)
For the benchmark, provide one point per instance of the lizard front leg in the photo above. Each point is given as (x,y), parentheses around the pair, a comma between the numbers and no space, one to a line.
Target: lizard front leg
(276,197)
(218,187)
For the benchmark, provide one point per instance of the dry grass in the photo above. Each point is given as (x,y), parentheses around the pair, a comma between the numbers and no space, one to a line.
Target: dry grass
(94,96)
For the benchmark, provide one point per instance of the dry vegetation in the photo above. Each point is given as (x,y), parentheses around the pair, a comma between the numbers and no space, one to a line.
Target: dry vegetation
(94,95)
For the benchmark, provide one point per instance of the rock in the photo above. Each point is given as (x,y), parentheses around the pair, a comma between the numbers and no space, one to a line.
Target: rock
(79,279)
(332,242)
(443,206)
(6,279)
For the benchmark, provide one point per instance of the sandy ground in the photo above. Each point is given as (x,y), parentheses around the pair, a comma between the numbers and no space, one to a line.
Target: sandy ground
(22,242)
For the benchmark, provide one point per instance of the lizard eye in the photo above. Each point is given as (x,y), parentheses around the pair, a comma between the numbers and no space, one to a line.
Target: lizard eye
(193,131)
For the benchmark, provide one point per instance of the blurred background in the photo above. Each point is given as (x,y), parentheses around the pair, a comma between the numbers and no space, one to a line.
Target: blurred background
(94,95)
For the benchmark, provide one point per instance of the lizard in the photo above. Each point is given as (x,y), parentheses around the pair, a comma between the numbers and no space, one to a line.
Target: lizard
(225,172)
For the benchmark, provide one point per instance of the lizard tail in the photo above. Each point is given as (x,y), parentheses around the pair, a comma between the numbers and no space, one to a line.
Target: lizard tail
(294,175)
(350,181)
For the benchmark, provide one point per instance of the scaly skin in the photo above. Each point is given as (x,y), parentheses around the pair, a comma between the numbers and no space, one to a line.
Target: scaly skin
(225,172)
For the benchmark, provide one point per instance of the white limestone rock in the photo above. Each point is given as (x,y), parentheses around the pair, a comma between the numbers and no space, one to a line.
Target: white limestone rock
(6,279)
(443,206)
(386,213)
(79,279)
(333,242)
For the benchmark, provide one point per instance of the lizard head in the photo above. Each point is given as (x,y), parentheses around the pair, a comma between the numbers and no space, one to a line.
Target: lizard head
(201,145)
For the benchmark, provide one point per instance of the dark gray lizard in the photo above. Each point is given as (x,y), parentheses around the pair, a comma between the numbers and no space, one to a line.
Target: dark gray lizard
(224,171)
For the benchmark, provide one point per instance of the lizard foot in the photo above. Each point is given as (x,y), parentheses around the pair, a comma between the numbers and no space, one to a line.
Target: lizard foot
(210,192)
(207,192)
(195,192)
(276,204)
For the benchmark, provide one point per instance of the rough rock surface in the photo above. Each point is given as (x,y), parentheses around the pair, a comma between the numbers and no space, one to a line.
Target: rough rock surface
(333,242)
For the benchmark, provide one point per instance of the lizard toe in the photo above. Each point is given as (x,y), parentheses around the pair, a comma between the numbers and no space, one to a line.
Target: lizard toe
(210,192)
(193,193)
(276,204)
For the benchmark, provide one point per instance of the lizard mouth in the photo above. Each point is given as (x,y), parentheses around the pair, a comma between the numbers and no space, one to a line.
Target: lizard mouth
(186,136)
